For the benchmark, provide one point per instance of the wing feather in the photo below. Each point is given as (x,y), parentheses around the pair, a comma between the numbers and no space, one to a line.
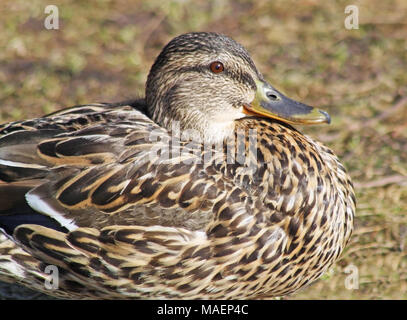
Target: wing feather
(116,167)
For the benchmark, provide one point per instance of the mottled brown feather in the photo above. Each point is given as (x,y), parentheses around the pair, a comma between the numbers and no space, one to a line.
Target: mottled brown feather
(157,216)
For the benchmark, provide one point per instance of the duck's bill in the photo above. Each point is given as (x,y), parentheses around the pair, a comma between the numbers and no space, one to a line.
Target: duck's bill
(271,103)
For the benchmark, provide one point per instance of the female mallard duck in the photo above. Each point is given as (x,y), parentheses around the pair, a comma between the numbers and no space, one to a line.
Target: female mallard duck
(200,190)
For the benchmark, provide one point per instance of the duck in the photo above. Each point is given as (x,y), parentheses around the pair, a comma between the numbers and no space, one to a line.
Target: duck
(202,189)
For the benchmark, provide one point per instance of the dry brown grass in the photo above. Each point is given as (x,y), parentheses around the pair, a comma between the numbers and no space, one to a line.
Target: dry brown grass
(102,52)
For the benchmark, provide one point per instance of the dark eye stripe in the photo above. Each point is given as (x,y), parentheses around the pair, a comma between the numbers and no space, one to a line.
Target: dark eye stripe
(243,77)
(238,76)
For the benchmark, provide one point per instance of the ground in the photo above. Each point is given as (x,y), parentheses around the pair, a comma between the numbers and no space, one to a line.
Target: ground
(102,53)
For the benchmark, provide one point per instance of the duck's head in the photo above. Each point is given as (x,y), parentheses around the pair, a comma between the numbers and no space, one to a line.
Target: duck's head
(207,81)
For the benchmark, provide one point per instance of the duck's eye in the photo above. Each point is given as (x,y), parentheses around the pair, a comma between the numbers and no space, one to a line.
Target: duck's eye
(216,67)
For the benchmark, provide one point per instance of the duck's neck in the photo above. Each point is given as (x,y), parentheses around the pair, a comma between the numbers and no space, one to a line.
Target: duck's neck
(196,126)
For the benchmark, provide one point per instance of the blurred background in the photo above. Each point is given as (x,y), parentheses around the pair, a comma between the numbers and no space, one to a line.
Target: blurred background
(103,50)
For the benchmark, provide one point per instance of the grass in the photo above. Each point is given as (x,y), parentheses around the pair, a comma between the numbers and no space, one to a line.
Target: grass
(103,51)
